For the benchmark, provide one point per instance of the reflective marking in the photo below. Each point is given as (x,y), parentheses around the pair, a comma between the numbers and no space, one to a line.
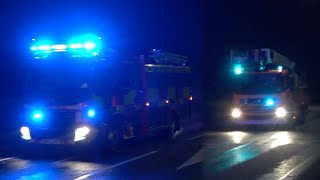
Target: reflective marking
(4,159)
(115,165)
(288,173)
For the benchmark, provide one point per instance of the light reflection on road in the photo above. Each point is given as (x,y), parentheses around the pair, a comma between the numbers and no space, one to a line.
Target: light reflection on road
(237,136)
(246,151)
(280,139)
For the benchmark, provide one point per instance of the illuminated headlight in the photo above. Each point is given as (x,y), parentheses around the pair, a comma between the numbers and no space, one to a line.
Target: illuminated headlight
(281,112)
(236,113)
(81,133)
(25,133)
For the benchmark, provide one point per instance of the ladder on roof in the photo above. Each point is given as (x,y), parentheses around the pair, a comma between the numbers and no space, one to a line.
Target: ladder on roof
(260,57)
(166,58)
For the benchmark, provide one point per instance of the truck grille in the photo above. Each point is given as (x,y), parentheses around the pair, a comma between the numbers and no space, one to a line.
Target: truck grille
(252,101)
(60,125)
(257,110)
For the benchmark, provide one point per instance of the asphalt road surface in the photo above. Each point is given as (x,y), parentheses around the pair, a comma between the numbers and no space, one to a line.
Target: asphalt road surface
(155,158)
(247,154)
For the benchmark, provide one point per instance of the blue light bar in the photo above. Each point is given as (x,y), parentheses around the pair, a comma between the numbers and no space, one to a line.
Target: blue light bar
(44,47)
(59,46)
(89,45)
(81,46)
(75,46)
(33,48)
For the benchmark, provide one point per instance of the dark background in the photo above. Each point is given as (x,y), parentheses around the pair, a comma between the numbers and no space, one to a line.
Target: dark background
(204,30)
(289,27)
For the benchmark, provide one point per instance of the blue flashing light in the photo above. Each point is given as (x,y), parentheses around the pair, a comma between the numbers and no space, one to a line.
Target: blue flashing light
(59,46)
(89,45)
(238,69)
(37,116)
(280,68)
(75,46)
(91,113)
(44,47)
(270,102)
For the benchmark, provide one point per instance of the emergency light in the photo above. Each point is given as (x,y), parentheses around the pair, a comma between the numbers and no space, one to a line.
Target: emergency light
(238,69)
(270,102)
(81,46)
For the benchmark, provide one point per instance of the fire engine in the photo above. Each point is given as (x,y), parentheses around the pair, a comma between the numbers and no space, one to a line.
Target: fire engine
(266,88)
(77,92)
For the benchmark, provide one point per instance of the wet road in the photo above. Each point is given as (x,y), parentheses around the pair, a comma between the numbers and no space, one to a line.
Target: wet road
(148,159)
(259,155)
(210,155)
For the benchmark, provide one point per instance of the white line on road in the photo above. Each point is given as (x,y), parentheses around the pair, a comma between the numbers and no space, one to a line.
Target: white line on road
(115,165)
(4,159)
(195,137)
(295,168)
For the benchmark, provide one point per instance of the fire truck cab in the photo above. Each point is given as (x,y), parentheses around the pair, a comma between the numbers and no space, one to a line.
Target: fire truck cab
(266,89)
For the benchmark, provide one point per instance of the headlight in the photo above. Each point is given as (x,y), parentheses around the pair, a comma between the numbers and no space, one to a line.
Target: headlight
(81,133)
(281,112)
(236,113)
(25,132)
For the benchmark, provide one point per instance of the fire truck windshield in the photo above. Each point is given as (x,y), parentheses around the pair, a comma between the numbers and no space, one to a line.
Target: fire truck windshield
(60,88)
(260,83)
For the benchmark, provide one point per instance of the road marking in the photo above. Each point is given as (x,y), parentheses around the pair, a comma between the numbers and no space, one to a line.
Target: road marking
(4,159)
(196,158)
(196,137)
(115,165)
(295,168)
